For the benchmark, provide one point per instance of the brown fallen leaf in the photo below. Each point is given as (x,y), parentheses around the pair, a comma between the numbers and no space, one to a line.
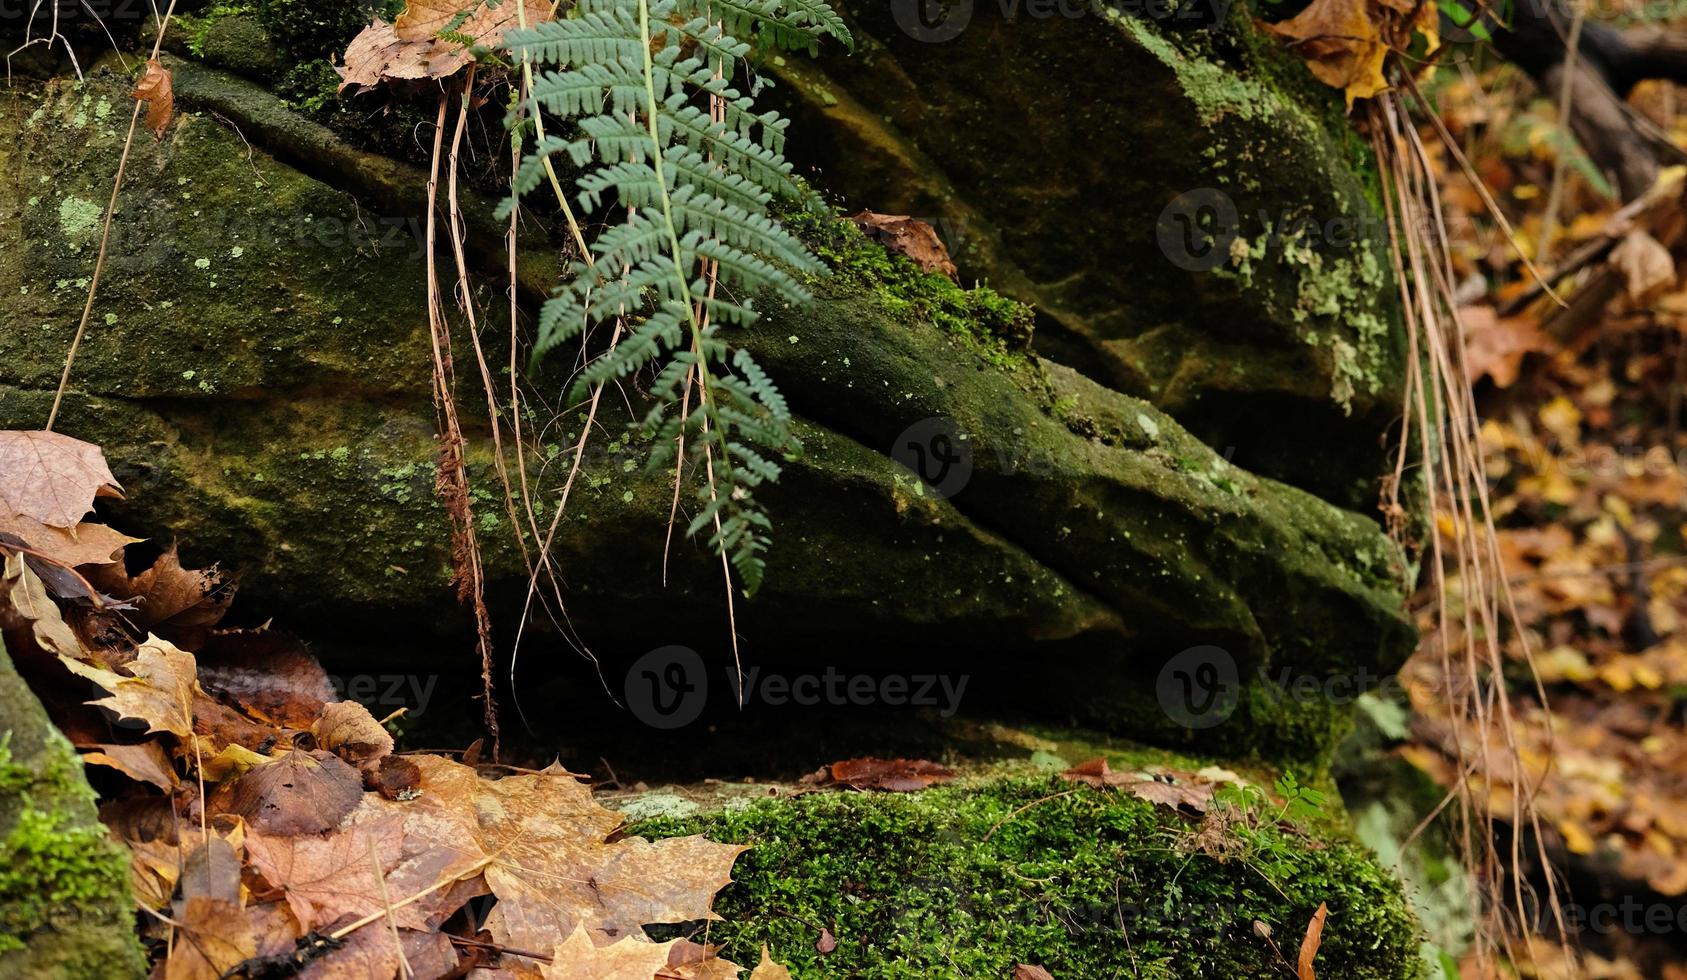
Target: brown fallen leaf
(394,777)
(267,674)
(1025,971)
(889,775)
(348,730)
(154,88)
(145,762)
(578,958)
(340,874)
(1341,43)
(551,867)
(827,942)
(159,693)
(408,49)
(767,969)
(299,793)
(52,478)
(690,961)
(180,604)
(24,605)
(85,544)
(912,237)
(1646,265)
(1187,792)
(213,933)
(1309,945)
(1495,346)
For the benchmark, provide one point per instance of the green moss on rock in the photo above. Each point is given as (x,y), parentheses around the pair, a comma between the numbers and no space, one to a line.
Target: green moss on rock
(968,880)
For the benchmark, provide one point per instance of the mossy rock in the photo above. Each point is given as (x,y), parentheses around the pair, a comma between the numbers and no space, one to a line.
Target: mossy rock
(65,908)
(969,879)
(1061,148)
(258,372)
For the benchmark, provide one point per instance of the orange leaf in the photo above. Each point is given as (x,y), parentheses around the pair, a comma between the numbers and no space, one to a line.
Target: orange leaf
(1309,945)
(156,91)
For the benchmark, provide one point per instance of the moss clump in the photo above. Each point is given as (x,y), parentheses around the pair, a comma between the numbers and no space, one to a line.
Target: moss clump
(50,868)
(968,880)
(310,29)
(997,327)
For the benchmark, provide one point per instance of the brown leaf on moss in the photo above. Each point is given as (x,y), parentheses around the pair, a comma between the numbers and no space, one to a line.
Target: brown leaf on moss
(578,958)
(408,49)
(300,793)
(1025,971)
(889,775)
(691,961)
(912,237)
(155,89)
(767,969)
(52,478)
(1341,43)
(1184,791)
(1309,944)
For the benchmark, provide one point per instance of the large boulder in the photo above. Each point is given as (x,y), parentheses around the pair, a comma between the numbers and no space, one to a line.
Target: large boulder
(1191,216)
(258,370)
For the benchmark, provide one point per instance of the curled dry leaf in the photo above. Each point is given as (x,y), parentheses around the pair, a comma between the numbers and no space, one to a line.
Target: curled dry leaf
(299,793)
(154,88)
(180,604)
(1183,791)
(889,775)
(1646,265)
(912,237)
(394,777)
(348,730)
(1309,945)
(52,478)
(24,604)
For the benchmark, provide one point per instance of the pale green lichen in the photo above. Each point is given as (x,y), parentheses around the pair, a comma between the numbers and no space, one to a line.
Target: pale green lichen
(78,217)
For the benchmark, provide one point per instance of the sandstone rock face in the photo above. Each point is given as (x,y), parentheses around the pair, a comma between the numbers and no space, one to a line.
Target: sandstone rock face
(258,371)
(1190,216)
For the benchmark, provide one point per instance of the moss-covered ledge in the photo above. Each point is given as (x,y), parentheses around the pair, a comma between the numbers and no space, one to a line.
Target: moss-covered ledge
(1015,866)
(65,909)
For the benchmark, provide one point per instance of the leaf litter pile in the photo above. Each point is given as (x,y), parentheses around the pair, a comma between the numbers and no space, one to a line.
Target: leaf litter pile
(274,831)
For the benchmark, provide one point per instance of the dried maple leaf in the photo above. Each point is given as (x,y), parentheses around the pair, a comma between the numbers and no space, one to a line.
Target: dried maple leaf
(912,237)
(551,868)
(889,775)
(1342,45)
(409,49)
(578,958)
(325,878)
(180,604)
(1025,971)
(85,544)
(299,793)
(52,478)
(767,969)
(160,693)
(1179,790)
(154,88)
(145,762)
(690,961)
